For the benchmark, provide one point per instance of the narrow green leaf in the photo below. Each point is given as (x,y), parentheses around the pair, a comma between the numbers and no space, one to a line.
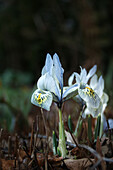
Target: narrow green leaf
(89,128)
(70,123)
(54,143)
(97,127)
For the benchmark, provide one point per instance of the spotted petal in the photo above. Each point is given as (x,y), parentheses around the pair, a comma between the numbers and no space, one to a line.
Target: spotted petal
(42,99)
(89,96)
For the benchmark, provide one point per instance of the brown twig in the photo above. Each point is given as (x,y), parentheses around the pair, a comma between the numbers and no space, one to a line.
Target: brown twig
(78,145)
(16,145)
(73,138)
(9,145)
(109,130)
(24,147)
(1,132)
(32,137)
(46,148)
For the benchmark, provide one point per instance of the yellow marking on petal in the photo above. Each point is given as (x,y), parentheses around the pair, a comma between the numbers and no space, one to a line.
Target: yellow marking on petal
(38,98)
(90,92)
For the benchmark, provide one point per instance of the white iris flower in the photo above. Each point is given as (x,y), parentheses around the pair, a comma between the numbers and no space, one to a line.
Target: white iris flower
(98,86)
(85,92)
(50,85)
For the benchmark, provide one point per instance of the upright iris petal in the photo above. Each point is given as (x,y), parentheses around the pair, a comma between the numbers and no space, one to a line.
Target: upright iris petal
(92,71)
(48,65)
(58,70)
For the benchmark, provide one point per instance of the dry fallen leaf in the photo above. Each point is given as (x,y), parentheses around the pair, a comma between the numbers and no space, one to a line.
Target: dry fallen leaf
(7,164)
(79,164)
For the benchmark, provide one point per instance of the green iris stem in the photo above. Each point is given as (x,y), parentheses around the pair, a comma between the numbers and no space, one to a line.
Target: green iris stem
(60,117)
(70,124)
(78,126)
(101,126)
(89,128)
(62,143)
(97,128)
(54,143)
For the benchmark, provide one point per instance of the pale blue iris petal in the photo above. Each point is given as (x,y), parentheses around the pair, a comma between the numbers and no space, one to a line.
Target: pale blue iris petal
(55,98)
(43,70)
(70,80)
(89,96)
(95,111)
(83,75)
(46,82)
(91,72)
(70,91)
(101,82)
(100,87)
(93,82)
(58,70)
(78,80)
(104,107)
(48,65)
(110,121)
(41,82)
(92,111)
(85,113)
(42,99)
(104,98)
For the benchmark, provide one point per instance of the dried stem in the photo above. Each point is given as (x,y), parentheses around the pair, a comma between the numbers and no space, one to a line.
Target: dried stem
(46,150)
(9,145)
(73,138)
(32,137)
(109,131)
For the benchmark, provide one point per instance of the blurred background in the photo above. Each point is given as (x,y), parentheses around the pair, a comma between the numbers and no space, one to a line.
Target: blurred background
(80,32)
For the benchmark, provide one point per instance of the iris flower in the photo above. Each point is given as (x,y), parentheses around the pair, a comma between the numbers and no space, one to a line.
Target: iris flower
(98,87)
(50,88)
(85,92)
(50,85)
(86,95)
